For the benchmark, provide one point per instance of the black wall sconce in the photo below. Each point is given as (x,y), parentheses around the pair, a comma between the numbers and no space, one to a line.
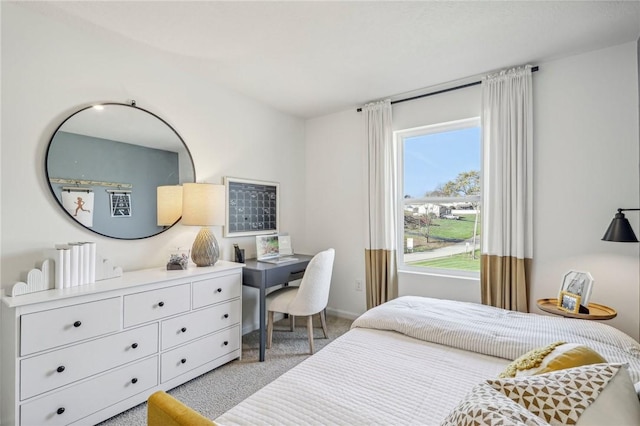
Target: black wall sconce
(620,229)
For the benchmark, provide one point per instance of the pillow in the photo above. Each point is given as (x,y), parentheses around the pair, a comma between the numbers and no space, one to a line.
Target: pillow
(595,394)
(486,406)
(556,356)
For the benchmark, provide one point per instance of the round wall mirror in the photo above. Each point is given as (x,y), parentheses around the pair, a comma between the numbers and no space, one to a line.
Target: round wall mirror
(104,165)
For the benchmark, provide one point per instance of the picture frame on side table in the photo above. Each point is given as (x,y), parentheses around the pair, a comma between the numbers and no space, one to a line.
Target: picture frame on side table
(578,283)
(252,207)
(569,302)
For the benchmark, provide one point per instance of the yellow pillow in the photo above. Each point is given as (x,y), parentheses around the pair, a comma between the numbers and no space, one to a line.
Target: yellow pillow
(556,356)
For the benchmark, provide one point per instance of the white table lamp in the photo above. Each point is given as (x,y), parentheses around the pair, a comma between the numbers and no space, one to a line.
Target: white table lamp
(203,205)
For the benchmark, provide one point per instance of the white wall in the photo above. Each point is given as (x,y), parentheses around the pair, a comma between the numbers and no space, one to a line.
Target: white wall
(335,203)
(585,167)
(49,70)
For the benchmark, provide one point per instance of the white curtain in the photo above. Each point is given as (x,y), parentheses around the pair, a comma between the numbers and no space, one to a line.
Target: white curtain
(380,253)
(507,243)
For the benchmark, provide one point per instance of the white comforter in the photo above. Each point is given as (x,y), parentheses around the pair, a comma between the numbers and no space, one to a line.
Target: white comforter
(497,332)
(411,360)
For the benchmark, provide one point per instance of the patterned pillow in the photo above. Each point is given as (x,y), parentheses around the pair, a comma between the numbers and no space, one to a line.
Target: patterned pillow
(556,356)
(485,406)
(569,397)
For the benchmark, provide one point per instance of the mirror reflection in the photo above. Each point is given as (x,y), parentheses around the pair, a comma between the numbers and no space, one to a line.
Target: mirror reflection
(105,162)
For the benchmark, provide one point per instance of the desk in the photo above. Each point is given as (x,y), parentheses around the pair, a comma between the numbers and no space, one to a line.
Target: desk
(262,275)
(596,311)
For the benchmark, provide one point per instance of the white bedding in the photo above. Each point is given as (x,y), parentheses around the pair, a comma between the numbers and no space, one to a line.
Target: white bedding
(411,360)
(497,332)
(368,377)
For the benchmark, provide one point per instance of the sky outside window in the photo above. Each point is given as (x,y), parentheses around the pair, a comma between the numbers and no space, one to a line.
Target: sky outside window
(434,159)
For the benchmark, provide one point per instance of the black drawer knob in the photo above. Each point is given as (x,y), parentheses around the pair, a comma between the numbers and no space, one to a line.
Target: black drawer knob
(161,304)
(183,329)
(226,315)
(135,345)
(219,290)
(183,360)
(134,380)
(60,369)
(60,410)
(77,324)
(226,343)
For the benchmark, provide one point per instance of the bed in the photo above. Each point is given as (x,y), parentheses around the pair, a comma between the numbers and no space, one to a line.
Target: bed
(412,360)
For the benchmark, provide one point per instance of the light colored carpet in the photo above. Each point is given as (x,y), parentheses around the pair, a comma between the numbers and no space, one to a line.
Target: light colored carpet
(217,391)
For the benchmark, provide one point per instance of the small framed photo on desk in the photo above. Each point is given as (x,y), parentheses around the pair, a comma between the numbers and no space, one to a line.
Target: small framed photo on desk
(267,247)
(268,250)
(284,245)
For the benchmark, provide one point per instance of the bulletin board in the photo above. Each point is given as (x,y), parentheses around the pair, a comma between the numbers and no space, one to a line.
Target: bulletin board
(252,207)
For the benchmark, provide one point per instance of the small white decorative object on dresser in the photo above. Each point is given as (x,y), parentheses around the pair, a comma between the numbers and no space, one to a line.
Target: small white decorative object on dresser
(62,269)
(83,354)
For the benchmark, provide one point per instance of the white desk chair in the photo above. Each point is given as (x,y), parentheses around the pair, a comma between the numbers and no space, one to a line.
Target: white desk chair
(308,299)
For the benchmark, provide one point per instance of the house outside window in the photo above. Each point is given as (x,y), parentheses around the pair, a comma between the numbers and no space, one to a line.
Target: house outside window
(439,214)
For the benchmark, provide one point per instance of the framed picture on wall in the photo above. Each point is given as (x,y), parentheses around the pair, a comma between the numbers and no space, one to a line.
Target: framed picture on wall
(120,204)
(252,207)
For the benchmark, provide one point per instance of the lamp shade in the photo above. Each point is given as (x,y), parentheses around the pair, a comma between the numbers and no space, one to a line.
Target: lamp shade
(202,204)
(169,202)
(620,230)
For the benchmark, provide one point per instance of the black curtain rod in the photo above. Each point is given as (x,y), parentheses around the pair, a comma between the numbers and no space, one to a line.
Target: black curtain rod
(475,83)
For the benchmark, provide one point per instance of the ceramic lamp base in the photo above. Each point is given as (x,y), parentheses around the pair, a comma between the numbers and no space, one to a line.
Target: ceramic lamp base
(205,251)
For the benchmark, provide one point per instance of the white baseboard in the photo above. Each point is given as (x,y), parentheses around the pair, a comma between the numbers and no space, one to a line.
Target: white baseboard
(342,314)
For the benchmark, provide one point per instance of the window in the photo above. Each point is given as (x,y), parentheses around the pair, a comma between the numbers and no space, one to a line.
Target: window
(439,214)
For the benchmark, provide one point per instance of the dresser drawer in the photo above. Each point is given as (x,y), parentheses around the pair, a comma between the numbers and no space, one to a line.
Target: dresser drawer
(57,327)
(74,403)
(187,327)
(215,290)
(156,304)
(45,372)
(192,355)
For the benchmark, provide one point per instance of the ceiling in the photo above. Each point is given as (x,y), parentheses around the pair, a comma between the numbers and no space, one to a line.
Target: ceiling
(313,58)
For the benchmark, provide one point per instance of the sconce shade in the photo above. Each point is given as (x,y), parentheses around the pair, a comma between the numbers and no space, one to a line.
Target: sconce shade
(620,230)
(169,203)
(203,205)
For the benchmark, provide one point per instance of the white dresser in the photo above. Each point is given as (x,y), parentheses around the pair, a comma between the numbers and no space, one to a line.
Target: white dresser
(84,354)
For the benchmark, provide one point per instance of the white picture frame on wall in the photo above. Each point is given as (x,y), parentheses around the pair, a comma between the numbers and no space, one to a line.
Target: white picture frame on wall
(252,207)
